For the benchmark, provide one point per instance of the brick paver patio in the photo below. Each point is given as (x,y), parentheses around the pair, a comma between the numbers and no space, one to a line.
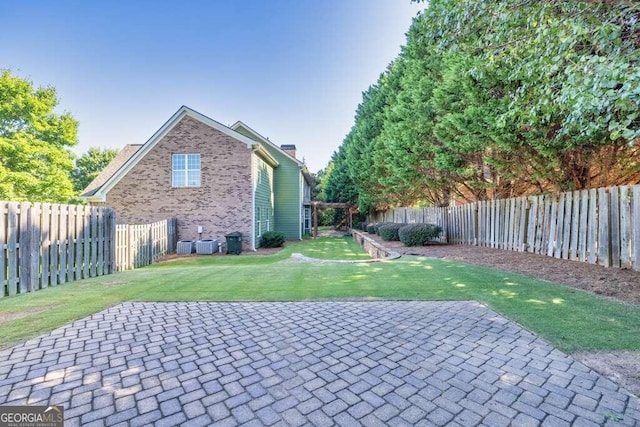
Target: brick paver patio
(317,363)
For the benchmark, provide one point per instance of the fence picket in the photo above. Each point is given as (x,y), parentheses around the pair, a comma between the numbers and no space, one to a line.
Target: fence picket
(94,243)
(575,230)
(625,228)
(551,242)
(24,244)
(557,238)
(584,218)
(101,231)
(531,224)
(86,237)
(566,227)
(45,213)
(62,236)
(79,226)
(614,222)
(54,266)
(3,248)
(636,227)
(592,227)
(511,238)
(35,237)
(604,240)
(71,241)
(12,248)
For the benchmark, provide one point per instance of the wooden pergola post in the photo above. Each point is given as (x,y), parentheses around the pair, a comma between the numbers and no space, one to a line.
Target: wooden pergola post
(348,207)
(315,220)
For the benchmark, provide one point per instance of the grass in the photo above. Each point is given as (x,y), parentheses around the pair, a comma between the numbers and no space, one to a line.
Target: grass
(571,319)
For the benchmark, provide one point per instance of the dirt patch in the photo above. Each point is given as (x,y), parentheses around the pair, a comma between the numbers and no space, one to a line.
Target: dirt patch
(622,367)
(115,282)
(8,317)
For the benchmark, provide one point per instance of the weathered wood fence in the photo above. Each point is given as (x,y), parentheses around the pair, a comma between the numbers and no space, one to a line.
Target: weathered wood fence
(142,244)
(598,226)
(44,244)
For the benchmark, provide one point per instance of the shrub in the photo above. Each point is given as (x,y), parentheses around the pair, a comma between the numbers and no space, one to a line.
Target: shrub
(371,228)
(272,239)
(382,224)
(389,231)
(418,234)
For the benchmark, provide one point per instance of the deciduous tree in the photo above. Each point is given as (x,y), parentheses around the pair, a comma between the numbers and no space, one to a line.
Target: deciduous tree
(89,165)
(35,155)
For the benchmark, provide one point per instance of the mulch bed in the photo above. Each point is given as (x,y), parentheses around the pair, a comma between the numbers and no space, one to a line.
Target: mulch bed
(621,284)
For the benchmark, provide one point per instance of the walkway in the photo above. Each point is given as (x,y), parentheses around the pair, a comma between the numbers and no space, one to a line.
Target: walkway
(319,363)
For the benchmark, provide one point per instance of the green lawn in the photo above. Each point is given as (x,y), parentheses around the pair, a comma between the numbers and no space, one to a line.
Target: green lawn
(571,319)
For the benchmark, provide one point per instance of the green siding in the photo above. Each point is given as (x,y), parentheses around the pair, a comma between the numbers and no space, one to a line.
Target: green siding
(264,201)
(287,191)
(287,188)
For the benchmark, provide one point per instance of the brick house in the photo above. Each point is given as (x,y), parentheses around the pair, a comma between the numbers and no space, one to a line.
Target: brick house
(210,176)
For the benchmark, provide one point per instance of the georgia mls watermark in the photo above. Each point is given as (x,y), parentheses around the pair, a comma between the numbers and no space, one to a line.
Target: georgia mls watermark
(31,416)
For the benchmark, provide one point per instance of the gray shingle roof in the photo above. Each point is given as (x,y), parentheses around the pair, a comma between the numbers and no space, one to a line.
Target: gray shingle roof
(121,158)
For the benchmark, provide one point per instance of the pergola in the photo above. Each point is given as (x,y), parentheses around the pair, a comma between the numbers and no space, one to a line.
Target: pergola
(351,209)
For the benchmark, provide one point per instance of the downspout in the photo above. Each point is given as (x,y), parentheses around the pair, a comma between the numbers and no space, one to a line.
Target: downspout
(301,203)
(253,201)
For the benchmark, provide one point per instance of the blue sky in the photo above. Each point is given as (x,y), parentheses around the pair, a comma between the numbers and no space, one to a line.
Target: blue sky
(294,70)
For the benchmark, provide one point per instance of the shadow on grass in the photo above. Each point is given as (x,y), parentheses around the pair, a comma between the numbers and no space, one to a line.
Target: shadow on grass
(571,319)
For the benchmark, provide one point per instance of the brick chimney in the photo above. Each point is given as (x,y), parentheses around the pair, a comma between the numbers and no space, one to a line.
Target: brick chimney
(289,149)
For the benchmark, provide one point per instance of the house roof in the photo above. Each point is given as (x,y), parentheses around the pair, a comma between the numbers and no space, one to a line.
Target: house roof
(121,158)
(303,167)
(264,140)
(119,170)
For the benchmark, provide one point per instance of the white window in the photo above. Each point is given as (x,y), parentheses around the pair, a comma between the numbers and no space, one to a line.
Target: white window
(185,170)
(267,221)
(307,219)
(258,223)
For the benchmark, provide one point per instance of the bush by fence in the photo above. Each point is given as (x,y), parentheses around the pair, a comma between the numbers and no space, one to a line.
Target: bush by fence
(598,226)
(418,234)
(389,231)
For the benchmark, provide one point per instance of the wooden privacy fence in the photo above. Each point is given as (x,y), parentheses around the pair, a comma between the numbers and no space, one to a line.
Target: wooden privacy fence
(598,226)
(142,244)
(45,244)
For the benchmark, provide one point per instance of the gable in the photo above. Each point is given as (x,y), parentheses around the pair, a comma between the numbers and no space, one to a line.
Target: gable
(117,173)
